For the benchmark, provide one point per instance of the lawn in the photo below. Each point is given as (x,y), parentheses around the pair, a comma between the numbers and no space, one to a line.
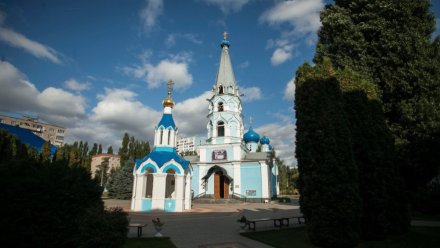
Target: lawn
(149,242)
(417,237)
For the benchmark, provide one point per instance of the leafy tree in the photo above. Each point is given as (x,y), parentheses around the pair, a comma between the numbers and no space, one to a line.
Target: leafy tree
(120,184)
(390,42)
(48,203)
(45,152)
(100,149)
(110,150)
(94,150)
(123,150)
(102,171)
(328,179)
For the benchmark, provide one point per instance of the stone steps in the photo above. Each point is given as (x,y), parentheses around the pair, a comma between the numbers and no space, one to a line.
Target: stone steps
(216,201)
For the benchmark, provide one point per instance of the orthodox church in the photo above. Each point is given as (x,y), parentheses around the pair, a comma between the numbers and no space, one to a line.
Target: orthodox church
(232,164)
(162,179)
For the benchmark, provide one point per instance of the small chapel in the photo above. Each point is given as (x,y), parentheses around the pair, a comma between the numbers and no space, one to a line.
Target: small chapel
(232,163)
(162,179)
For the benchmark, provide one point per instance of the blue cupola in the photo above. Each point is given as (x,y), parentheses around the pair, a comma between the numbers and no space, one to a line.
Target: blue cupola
(251,136)
(264,140)
(225,41)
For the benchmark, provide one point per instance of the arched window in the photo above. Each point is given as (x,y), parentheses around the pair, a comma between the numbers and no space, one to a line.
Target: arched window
(220,107)
(150,183)
(220,129)
(170,184)
(220,89)
(161,137)
(169,137)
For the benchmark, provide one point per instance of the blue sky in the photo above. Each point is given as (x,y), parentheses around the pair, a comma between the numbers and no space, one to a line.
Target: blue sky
(99,68)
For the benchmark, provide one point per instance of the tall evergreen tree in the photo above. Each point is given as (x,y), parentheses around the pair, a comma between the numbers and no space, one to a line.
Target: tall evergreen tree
(391,43)
(328,180)
(94,150)
(110,150)
(120,184)
(100,149)
(123,150)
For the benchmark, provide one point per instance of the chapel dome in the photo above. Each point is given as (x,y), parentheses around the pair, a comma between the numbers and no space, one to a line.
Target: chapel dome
(251,136)
(264,140)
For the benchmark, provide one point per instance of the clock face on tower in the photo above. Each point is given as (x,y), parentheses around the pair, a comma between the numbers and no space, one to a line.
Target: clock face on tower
(219,155)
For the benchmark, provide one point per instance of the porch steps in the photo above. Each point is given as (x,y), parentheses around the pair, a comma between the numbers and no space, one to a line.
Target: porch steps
(216,201)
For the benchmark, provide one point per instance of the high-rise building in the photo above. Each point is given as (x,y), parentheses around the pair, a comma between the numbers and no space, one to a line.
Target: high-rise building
(189,145)
(49,132)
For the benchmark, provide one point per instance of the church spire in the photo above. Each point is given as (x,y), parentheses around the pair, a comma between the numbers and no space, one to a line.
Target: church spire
(225,81)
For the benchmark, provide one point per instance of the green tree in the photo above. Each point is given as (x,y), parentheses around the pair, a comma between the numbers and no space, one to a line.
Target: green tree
(123,150)
(100,149)
(390,42)
(102,172)
(110,150)
(328,179)
(45,152)
(53,204)
(94,150)
(120,184)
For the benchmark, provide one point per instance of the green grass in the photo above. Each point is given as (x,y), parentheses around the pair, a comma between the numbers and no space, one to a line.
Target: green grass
(417,237)
(149,242)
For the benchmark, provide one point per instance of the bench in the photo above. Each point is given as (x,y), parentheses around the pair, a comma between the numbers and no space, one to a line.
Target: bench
(299,217)
(277,222)
(139,227)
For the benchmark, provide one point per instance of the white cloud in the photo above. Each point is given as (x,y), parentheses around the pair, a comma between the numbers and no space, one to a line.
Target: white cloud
(227,6)
(72,84)
(282,138)
(190,115)
(302,18)
(281,55)
(244,64)
(171,40)
(289,92)
(119,109)
(39,50)
(18,94)
(174,68)
(251,94)
(150,13)
(303,15)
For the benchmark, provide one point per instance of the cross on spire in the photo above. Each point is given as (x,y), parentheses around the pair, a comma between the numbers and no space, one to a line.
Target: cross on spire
(250,120)
(225,35)
(170,87)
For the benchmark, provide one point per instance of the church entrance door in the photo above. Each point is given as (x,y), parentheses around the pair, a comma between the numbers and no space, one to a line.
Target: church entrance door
(221,186)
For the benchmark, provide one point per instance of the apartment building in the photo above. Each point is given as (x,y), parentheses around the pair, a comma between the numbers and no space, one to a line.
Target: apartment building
(49,132)
(189,144)
(114,161)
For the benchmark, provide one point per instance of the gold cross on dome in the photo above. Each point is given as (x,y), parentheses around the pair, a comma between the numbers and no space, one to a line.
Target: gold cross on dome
(225,35)
(170,86)
(250,120)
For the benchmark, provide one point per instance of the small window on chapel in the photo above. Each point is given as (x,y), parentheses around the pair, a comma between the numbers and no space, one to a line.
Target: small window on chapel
(220,90)
(220,107)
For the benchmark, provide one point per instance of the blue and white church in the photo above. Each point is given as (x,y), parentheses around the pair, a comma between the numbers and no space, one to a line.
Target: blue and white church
(162,179)
(233,163)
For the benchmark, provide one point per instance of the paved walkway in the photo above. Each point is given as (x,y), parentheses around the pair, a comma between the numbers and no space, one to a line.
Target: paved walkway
(210,225)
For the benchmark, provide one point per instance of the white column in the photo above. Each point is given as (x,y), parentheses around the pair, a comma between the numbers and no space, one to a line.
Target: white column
(173,138)
(237,178)
(133,194)
(180,188)
(159,185)
(156,137)
(188,191)
(264,181)
(165,137)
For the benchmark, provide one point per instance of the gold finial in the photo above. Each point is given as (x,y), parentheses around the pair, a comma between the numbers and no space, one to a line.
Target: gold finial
(168,101)
(225,35)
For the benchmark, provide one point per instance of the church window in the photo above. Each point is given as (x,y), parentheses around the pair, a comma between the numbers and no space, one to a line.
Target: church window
(220,107)
(169,137)
(220,90)
(150,181)
(161,137)
(170,184)
(220,129)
